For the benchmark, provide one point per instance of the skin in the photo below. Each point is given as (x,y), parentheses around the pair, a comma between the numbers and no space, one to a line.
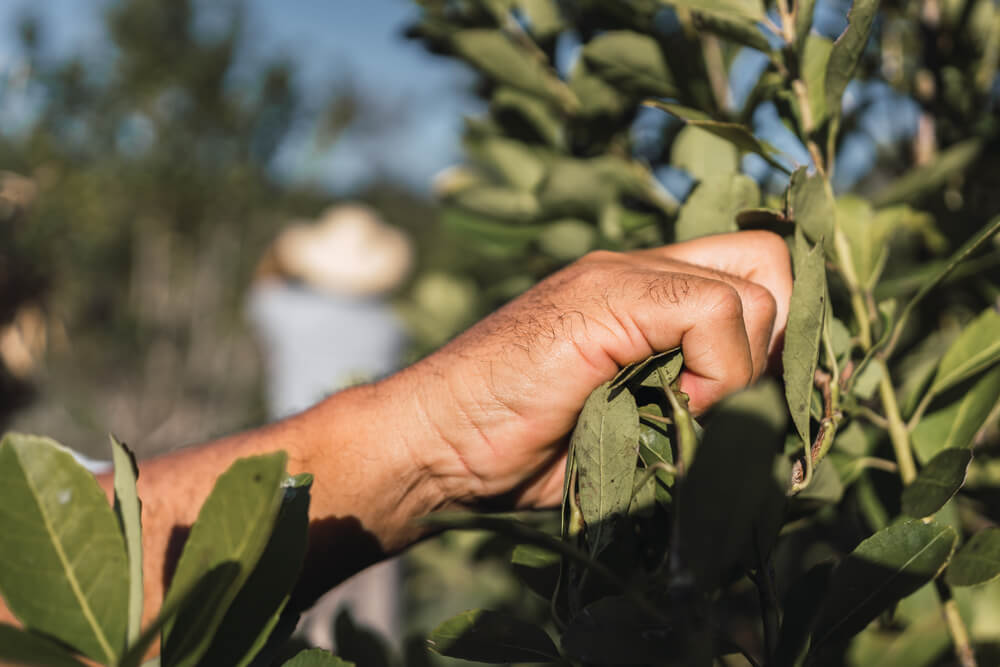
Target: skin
(484,420)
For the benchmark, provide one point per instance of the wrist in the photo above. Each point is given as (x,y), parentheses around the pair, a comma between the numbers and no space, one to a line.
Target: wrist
(370,453)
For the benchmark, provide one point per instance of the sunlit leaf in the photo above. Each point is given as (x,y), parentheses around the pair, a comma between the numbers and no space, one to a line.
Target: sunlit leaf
(815,59)
(939,480)
(887,566)
(233,526)
(803,332)
(258,606)
(19,647)
(605,442)
(316,657)
(63,566)
(747,9)
(488,636)
(978,561)
(129,511)
(738,135)
(703,155)
(499,58)
(531,112)
(712,207)
(956,416)
(812,207)
(846,52)
(976,349)
(631,62)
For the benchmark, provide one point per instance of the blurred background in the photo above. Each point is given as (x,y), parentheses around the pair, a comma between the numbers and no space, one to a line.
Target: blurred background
(176,180)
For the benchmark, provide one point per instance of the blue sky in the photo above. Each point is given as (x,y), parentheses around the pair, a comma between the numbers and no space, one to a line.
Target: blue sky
(329,40)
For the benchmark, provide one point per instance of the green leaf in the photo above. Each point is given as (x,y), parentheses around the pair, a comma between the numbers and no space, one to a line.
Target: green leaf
(752,10)
(498,201)
(703,155)
(976,349)
(18,647)
(728,490)
(631,62)
(736,134)
(939,480)
(734,28)
(210,587)
(803,332)
(605,442)
(492,52)
(647,371)
(538,568)
(233,526)
(598,99)
(63,568)
(532,112)
(128,508)
(567,239)
(258,605)
(959,415)
(712,207)
(803,22)
(847,50)
(927,179)
(867,233)
(887,566)
(316,657)
(968,248)
(978,561)
(812,207)
(544,18)
(654,447)
(815,59)
(519,165)
(489,636)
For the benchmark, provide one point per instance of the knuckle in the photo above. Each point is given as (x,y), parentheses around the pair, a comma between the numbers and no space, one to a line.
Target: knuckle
(724,301)
(599,257)
(760,300)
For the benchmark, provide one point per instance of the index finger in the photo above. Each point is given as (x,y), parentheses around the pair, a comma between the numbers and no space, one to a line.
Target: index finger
(757,256)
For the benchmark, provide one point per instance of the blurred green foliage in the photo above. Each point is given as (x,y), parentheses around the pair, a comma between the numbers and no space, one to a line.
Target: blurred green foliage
(152,157)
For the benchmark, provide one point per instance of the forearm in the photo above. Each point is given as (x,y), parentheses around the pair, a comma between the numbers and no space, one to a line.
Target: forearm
(365,493)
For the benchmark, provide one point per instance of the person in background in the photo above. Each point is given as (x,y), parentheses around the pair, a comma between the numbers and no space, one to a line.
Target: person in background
(319,307)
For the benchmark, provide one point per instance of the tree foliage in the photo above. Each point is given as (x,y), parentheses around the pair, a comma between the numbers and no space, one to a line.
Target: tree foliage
(778,530)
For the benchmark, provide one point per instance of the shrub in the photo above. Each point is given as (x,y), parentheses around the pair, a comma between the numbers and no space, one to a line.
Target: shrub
(845,515)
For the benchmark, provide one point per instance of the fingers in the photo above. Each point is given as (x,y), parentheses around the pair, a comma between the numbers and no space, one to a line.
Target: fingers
(757,256)
(703,315)
(759,306)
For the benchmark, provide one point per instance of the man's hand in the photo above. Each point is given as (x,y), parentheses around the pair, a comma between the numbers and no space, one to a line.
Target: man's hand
(486,417)
(503,396)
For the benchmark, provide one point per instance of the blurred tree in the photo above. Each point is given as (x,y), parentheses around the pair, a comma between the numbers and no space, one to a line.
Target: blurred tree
(156,196)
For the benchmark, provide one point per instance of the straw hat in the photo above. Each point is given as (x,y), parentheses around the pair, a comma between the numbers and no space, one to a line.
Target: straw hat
(348,250)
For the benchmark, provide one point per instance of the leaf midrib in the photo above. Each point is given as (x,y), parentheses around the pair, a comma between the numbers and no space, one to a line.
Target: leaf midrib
(967,367)
(879,589)
(67,568)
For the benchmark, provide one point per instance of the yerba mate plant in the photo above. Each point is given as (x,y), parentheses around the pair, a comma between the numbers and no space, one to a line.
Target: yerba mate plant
(845,514)
(71,565)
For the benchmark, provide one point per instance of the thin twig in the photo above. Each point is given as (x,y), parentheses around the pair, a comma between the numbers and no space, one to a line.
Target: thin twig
(872,416)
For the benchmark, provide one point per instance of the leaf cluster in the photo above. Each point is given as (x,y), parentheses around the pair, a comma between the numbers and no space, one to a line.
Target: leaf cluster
(841,515)
(71,570)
